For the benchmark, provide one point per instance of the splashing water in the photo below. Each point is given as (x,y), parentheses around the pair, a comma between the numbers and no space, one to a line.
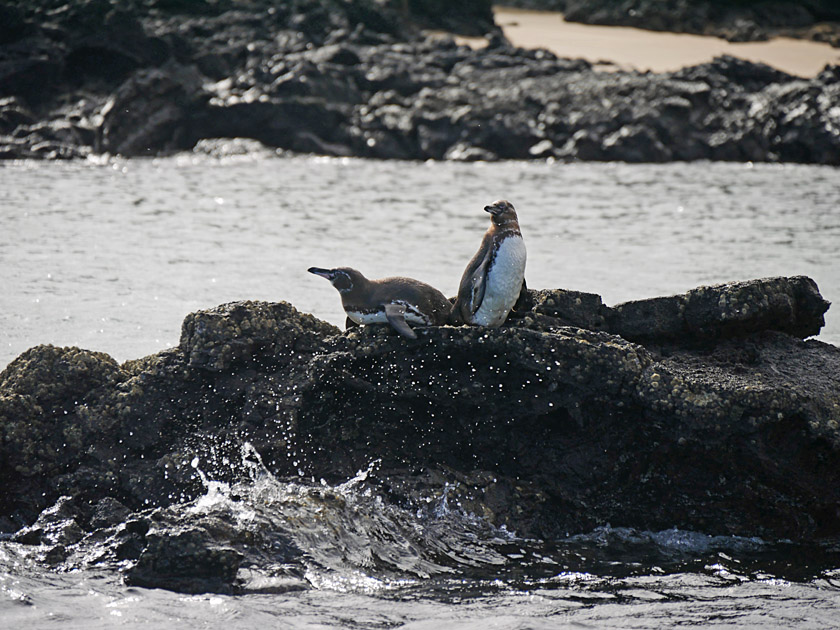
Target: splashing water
(383,562)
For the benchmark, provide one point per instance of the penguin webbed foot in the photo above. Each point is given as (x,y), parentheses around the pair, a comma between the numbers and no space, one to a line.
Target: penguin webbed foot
(523,303)
(350,324)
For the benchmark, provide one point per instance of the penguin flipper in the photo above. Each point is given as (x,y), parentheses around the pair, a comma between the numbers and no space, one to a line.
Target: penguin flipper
(396,317)
(479,284)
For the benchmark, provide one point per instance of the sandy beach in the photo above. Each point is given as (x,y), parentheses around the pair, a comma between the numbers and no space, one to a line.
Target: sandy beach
(633,48)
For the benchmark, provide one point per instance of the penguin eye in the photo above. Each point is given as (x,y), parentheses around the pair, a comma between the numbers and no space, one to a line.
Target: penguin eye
(342,281)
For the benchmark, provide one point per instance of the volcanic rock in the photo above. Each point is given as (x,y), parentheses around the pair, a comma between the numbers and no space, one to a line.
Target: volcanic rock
(360,78)
(559,410)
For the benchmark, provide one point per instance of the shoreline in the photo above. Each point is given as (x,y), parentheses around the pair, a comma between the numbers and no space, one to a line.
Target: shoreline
(378,89)
(627,48)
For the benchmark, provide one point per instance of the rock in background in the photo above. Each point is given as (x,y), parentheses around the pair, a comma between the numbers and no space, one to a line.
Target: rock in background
(360,78)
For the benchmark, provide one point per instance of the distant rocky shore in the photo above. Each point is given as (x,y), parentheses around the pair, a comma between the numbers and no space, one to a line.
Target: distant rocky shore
(360,78)
(705,411)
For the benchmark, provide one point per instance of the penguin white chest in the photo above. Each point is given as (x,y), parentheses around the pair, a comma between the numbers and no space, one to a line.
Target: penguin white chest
(413,315)
(503,282)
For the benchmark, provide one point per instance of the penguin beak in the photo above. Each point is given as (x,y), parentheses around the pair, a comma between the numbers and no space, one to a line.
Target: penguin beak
(499,207)
(324,273)
(494,209)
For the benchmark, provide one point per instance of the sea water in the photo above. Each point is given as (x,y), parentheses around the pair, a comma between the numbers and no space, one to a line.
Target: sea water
(111,255)
(360,561)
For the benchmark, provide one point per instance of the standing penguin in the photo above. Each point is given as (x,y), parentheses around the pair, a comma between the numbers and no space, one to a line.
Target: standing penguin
(397,301)
(493,280)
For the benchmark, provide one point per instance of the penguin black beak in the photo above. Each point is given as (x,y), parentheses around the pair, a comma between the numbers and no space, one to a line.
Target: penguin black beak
(324,273)
(495,208)
(498,207)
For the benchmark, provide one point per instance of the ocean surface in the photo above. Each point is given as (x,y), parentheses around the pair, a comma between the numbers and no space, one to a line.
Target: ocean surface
(111,255)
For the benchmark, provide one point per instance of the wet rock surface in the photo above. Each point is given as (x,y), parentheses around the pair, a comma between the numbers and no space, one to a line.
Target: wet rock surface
(361,79)
(724,421)
(186,561)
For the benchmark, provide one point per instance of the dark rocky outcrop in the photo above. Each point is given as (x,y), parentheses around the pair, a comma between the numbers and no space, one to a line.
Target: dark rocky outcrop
(360,78)
(790,305)
(723,421)
(703,315)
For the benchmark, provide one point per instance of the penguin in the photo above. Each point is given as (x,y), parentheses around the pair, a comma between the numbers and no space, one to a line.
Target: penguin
(495,276)
(396,301)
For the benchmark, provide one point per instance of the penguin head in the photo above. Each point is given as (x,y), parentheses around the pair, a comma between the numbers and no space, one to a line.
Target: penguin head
(502,212)
(344,279)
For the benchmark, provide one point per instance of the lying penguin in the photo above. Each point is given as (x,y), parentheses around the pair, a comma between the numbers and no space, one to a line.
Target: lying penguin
(493,280)
(397,301)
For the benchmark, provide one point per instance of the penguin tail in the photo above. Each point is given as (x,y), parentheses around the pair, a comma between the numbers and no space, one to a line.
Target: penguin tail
(455,318)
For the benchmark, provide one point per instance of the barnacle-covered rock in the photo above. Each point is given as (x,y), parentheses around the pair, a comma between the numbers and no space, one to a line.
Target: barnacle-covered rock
(723,420)
(216,338)
(790,305)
